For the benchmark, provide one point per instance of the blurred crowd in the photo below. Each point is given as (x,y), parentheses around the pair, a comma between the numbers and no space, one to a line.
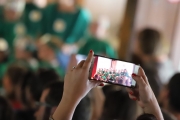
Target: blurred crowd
(38,40)
(114,76)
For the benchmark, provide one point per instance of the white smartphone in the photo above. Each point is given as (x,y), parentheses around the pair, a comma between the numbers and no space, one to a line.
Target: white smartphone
(113,71)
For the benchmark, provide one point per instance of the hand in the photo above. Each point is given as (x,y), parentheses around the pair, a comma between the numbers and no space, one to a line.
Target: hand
(76,86)
(144,95)
(76,83)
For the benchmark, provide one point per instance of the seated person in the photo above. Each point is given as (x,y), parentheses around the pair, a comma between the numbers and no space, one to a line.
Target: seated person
(6,112)
(97,39)
(80,86)
(25,51)
(35,84)
(118,106)
(4,58)
(48,50)
(52,94)
(12,85)
(169,97)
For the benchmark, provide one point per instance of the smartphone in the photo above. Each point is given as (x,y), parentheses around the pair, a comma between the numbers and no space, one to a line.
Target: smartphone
(113,71)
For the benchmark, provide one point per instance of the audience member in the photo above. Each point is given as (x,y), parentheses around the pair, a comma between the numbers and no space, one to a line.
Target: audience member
(6,113)
(25,51)
(48,49)
(118,106)
(169,97)
(97,39)
(49,101)
(12,84)
(4,58)
(152,51)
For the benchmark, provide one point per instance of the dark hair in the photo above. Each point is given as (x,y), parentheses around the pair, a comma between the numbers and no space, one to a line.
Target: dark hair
(16,73)
(146,117)
(174,91)
(55,93)
(149,40)
(82,111)
(31,81)
(118,105)
(47,75)
(6,112)
(44,77)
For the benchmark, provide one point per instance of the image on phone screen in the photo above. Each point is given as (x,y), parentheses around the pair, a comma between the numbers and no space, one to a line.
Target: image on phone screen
(112,71)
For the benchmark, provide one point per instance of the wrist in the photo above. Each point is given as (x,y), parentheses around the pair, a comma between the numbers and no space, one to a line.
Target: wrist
(69,99)
(153,108)
(66,108)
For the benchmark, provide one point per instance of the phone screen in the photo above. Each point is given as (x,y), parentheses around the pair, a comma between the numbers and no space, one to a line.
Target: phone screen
(112,71)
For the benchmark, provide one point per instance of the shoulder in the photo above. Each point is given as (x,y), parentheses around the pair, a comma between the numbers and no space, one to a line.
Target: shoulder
(84,13)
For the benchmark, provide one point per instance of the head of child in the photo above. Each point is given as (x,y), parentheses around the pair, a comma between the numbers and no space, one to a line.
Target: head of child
(48,45)
(12,82)
(24,48)
(49,101)
(100,27)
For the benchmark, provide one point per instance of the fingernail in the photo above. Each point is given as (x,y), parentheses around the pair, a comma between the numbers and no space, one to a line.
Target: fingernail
(90,51)
(134,75)
(131,93)
(101,84)
(134,99)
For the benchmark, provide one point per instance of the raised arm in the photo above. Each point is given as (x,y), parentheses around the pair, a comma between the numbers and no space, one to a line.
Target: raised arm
(144,95)
(76,86)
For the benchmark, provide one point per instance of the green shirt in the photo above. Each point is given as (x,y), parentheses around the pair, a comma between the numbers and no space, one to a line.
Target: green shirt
(3,68)
(1,11)
(11,30)
(69,27)
(106,74)
(99,47)
(32,18)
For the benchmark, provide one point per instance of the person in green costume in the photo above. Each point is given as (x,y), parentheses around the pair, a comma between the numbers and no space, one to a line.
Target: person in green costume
(32,18)
(25,50)
(48,48)
(97,39)
(68,21)
(4,60)
(11,25)
(106,73)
